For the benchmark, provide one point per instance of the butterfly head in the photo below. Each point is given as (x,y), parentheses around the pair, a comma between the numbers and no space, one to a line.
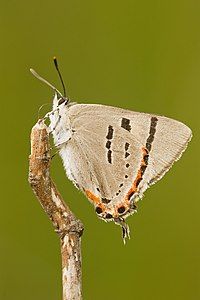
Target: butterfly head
(59,100)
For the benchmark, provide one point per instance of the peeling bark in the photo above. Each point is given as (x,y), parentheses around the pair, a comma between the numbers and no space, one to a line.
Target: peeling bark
(66,225)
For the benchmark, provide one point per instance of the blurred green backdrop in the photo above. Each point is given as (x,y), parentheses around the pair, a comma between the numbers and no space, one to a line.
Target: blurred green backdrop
(140,55)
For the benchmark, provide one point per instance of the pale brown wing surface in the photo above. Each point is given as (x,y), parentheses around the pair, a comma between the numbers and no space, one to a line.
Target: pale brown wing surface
(107,149)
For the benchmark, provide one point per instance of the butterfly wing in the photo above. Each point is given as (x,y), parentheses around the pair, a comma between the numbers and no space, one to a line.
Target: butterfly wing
(115,153)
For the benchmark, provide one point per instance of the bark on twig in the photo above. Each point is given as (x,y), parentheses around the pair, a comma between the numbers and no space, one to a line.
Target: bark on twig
(68,227)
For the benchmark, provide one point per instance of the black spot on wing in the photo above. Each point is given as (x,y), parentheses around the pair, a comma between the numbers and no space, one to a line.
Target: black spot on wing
(138,181)
(146,158)
(110,133)
(98,210)
(109,137)
(127,146)
(126,154)
(105,200)
(152,132)
(108,144)
(143,168)
(109,156)
(126,149)
(121,209)
(131,194)
(109,216)
(125,123)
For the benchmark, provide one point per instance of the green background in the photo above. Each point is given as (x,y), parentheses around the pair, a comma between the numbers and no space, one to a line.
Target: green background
(140,55)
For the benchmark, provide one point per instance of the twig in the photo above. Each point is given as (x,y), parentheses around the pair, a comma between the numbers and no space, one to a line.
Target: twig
(68,227)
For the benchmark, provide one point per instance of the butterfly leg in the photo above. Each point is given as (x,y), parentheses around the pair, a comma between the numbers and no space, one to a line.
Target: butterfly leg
(48,115)
(52,112)
(55,147)
(63,141)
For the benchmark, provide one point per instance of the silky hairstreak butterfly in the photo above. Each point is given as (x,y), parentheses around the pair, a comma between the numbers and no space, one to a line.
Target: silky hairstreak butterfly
(112,154)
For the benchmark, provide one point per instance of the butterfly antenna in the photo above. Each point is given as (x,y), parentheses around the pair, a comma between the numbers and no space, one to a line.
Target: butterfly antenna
(60,76)
(45,81)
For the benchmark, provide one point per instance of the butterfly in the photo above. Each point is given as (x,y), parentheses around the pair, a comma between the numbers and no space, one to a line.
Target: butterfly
(112,154)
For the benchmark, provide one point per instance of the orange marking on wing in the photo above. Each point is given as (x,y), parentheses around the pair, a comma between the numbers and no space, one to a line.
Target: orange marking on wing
(95,199)
(133,189)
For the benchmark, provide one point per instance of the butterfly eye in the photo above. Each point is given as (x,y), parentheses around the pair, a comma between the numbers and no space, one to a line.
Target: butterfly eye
(98,210)
(61,100)
(121,209)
